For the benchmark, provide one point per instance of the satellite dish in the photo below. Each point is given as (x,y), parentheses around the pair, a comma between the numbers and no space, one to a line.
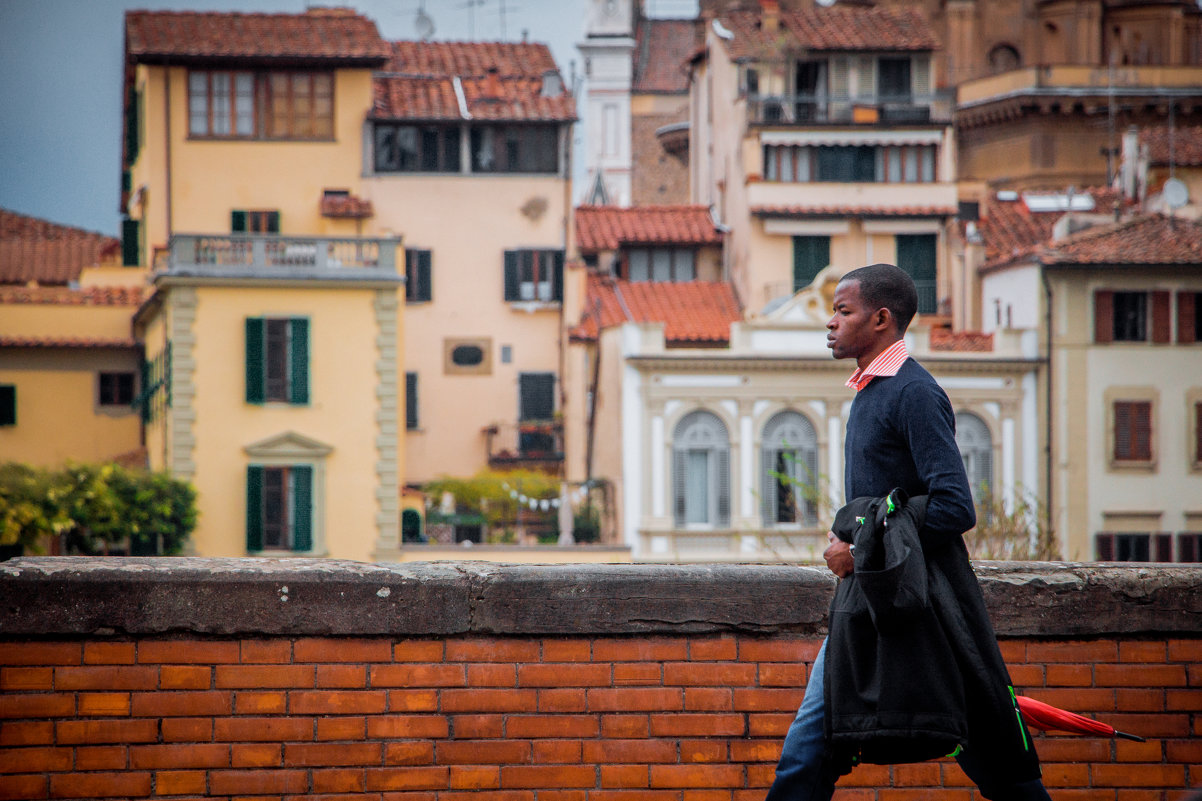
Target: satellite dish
(829,3)
(424,24)
(1174,193)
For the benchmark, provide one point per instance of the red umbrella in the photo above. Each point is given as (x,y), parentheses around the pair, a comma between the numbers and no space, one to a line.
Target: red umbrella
(1053,718)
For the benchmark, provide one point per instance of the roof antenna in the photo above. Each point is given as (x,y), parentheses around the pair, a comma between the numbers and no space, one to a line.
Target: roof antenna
(424,23)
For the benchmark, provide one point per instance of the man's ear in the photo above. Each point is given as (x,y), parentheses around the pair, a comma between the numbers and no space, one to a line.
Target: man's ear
(884,319)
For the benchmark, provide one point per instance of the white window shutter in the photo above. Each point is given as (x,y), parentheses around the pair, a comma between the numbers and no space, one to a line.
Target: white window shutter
(865,76)
(840,78)
(921,72)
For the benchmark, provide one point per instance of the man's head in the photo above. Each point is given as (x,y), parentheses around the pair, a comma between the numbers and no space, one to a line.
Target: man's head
(872,308)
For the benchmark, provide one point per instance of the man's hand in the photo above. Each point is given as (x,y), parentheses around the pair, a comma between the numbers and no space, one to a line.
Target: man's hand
(838,556)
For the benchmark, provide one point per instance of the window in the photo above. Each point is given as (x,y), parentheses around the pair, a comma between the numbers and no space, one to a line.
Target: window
(893,78)
(536,402)
(131,242)
(515,148)
(1132,431)
(789,471)
(976,449)
(116,389)
(467,356)
(411,526)
(1189,546)
(1189,321)
(811,255)
(862,163)
(1132,316)
(417,275)
(417,148)
(660,264)
(701,471)
(534,275)
(279,508)
(916,255)
(277,360)
(411,421)
(254,222)
(261,105)
(1197,434)
(846,163)
(8,405)
(1134,547)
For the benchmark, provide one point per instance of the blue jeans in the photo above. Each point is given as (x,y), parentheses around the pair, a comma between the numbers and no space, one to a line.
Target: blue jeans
(804,772)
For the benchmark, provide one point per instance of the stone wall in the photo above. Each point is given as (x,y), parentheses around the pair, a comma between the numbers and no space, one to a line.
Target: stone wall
(253,678)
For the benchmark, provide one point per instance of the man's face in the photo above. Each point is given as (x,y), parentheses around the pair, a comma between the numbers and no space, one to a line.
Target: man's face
(851,331)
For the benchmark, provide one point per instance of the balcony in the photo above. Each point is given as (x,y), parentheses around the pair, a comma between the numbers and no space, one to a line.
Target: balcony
(531,444)
(275,256)
(821,109)
(1081,81)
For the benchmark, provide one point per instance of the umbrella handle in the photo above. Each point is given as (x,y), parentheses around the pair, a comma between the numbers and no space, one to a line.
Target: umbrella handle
(1124,735)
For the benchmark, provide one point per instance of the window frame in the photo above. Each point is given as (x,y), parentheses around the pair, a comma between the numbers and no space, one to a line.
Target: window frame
(120,397)
(1157,546)
(450,367)
(1133,400)
(446,153)
(802,455)
(298,507)
(261,104)
(265,385)
(8,405)
(525,268)
(418,275)
(688,440)
(1193,425)
(510,147)
(682,264)
(412,409)
(984,463)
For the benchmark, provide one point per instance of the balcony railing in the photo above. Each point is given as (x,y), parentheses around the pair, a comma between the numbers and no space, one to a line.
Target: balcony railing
(531,443)
(226,253)
(811,109)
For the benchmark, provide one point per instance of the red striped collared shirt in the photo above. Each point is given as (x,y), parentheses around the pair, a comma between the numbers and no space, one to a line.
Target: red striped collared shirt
(887,363)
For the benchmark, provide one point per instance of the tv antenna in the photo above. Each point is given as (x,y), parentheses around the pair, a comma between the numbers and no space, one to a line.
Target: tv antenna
(423,23)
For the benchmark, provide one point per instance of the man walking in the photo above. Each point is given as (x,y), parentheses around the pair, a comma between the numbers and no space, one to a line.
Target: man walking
(901,433)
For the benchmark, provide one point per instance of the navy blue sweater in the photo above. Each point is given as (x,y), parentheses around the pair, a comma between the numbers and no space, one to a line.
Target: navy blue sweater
(902,433)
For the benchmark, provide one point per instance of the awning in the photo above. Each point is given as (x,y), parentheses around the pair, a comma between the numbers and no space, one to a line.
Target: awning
(845,137)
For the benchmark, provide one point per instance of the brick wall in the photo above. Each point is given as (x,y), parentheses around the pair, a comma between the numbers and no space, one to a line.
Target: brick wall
(258,679)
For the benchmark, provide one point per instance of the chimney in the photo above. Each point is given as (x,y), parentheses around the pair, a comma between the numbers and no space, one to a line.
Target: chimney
(1129,163)
(770,16)
(492,84)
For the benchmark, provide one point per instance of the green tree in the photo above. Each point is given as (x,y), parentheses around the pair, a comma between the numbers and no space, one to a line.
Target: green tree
(29,513)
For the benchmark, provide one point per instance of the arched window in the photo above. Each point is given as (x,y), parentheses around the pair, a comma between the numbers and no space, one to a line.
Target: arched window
(701,471)
(976,449)
(1003,58)
(789,471)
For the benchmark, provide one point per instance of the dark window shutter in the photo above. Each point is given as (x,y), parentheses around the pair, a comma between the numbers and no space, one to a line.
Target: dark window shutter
(132,101)
(916,254)
(299,339)
(1198,432)
(411,401)
(411,526)
(557,276)
(536,396)
(768,492)
(1133,430)
(1105,547)
(810,255)
(1187,308)
(1163,543)
(273,222)
(1103,316)
(1187,546)
(1161,318)
(238,221)
(254,508)
(254,360)
(302,509)
(679,483)
(131,242)
(512,279)
(8,405)
(425,289)
(722,457)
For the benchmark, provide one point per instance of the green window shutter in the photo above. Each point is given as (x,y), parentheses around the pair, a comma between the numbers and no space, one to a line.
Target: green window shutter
(557,276)
(810,255)
(132,102)
(131,242)
(425,290)
(273,222)
(299,342)
(254,509)
(411,401)
(238,221)
(916,255)
(512,279)
(302,510)
(8,405)
(254,360)
(411,526)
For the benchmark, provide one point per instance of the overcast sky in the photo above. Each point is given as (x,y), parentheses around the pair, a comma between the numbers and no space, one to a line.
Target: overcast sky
(60,82)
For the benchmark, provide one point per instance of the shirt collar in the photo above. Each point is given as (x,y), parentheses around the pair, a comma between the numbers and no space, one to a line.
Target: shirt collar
(887,363)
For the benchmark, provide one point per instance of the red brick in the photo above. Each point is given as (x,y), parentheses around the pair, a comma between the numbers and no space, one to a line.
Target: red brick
(409,752)
(26,732)
(185,677)
(478,727)
(407,778)
(1073,749)
(1140,700)
(708,699)
(187,730)
(629,674)
(538,777)
(332,754)
(35,759)
(923,774)
(338,649)
(1128,675)
(209,703)
(78,732)
(419,651)
(616,726)
(253,730)
(232,677)
(923,795)
(567,650)
(412,700)
(23,787)
(703,751)
(485,700)
(1079,651)
(711,674)
(338,780)
(625,776)
(109,653)
(761,775)
(350,728)
(1184,751)
(179,782)
(341,676)
(1138,775)
(628,751)
(1068,676)
(489,649)
(106,677)
(555,752)
(566,701)
(197,652)
(635,699)
(1129,751)
(1027,675)
(259,702)
(767,700)
(191,755)
(26,678)
(1014,652)
(395,727)
(1185,650)
(276,652)
(1083,701)
(769,725)
(713,649)
(418,675)
(100,785)
(491,675)
(338,702)
(756,649)
(100,704)
(640,650)
(531,726)
(782,675)
(634,795)
(101,757)
(41,653)
(481,752)
(256,755)
(550,674)
(1154,651)
(755,750)
(1183,700)
(696,776)
(37,705)
(256,782)
(473,777)
(697,725)
(472,795)
(1150,725)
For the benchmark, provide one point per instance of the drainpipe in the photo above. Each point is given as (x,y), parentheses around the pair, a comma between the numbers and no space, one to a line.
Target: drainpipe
(594,384)
(1047,316)
(167,129)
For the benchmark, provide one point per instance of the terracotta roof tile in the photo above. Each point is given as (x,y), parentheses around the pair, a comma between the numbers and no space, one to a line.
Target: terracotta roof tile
(1186,146)
(1150,239)
(828,29)
(662,50)
(1011,230)
(610,227)
(65,342)
(693,312)
(318,35)
(853,211)
(62,296)
(944,339)
(35,250)
(444,59)
(337,204)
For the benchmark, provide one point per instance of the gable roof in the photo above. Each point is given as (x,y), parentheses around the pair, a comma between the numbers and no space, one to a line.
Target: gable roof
(1186,147)
(319,35)
(693,312)
(662,48)
(837,28)
(1010,230)
(36,250)
(444,59)
(610,227)
(1150,239)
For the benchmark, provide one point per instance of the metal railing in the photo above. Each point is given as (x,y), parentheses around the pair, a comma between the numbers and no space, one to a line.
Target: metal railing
(806,109)
(530,442)
(268,251)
